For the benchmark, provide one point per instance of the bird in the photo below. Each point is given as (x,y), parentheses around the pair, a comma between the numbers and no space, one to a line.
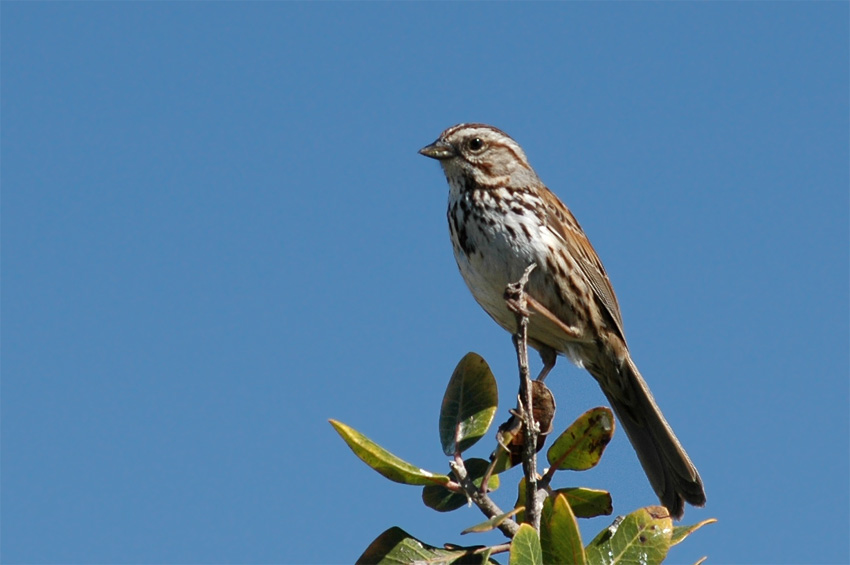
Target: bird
(502,219)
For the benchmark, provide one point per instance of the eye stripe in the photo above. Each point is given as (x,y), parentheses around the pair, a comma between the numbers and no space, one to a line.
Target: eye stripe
(491,136)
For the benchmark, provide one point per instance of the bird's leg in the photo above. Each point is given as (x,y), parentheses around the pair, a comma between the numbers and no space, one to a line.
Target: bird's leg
(571,332)
(549,357)
(515,301)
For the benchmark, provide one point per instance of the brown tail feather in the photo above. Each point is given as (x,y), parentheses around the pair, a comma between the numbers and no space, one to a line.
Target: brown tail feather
(665,462)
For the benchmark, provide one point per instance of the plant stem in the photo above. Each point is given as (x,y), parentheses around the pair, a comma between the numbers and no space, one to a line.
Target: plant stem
(515,294)
(480,498)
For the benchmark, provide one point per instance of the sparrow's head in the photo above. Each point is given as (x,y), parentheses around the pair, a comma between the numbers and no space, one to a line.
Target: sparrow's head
(480,153)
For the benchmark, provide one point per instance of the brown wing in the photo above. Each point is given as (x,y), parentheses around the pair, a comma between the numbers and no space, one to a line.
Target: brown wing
(563,223)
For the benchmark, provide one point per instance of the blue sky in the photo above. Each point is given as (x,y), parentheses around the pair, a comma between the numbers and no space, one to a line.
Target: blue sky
(217,233)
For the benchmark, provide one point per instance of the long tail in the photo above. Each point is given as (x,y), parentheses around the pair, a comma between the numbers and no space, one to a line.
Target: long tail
(665,462)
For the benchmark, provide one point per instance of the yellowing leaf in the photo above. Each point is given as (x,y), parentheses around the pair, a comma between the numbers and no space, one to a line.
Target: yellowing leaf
(559,534)
(587,502)
(582,444)
(681,532)
(384,462)
(644,537)
(525,547)
(490,524)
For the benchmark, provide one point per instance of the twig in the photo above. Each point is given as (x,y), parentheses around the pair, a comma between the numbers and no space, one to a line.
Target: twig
(547,478)
(517,301)
(480,498)
(493,549)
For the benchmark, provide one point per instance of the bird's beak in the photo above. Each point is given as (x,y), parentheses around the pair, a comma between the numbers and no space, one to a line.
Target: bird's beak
(439,150)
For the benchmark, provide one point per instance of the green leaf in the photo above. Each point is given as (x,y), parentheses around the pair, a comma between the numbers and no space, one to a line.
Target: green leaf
(581,445)
(644,536)
(525,547)
(605,535)
(442,499)
(559,533)
(469,404)
(384,462)
(681,532)
(587,502)
(490,524)
(395,546)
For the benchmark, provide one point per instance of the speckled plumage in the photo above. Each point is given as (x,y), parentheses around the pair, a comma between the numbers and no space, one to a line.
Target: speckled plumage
(502,218)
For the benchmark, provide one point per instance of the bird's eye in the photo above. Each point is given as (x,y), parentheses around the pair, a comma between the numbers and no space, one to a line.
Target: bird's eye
(475,144)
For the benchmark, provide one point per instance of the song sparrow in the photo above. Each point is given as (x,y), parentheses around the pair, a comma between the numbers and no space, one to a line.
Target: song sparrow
(502,219)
